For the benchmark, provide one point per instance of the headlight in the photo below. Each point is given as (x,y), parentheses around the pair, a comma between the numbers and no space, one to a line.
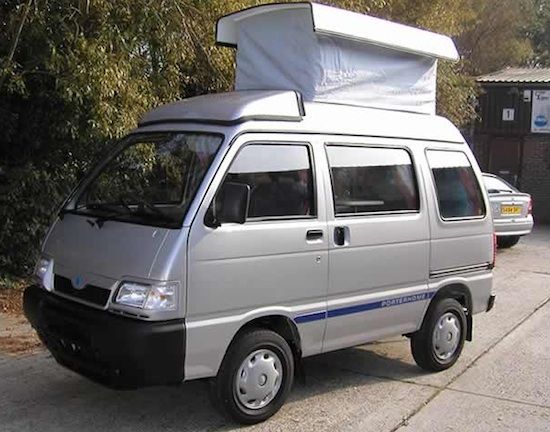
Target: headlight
(160,297)
(43,272)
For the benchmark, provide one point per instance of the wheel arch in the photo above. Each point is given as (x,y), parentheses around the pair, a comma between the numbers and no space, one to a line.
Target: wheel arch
(461,293)
(280,324)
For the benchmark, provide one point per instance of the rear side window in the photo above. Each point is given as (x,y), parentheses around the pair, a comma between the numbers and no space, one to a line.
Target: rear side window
(372,180)
(280,179)
(458,191)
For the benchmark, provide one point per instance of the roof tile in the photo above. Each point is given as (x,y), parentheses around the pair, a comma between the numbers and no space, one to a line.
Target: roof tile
(517,75)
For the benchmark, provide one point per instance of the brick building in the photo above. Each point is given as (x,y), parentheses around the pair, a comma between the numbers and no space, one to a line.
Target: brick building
(512,137)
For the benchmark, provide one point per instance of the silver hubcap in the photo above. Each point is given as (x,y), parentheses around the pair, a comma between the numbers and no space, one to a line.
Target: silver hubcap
(258,379)
(446,336)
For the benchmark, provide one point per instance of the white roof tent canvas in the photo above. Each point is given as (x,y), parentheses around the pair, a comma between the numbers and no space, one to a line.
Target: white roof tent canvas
(332,55)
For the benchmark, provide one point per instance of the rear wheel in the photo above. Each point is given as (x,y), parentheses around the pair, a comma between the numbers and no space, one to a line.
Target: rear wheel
(255,377)
(507,241)
(439,342)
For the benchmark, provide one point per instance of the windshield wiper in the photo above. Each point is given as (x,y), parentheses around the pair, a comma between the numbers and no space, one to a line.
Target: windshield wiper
(115,209)
(118,207)
(100,220)
(142,206)
(143,209)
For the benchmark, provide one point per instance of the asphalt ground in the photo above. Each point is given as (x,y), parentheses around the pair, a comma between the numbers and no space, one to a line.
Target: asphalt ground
(501,382)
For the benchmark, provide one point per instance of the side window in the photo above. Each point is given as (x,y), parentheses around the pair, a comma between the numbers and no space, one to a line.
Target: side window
(372,180)
(458,191)
(280,179)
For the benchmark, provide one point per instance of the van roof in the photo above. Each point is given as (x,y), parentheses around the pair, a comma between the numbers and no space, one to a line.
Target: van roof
(285,110)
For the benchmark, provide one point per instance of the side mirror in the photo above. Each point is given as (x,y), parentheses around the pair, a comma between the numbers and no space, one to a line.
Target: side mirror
(230,205)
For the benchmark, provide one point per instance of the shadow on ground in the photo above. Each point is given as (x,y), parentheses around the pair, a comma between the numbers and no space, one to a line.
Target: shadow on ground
(79,404)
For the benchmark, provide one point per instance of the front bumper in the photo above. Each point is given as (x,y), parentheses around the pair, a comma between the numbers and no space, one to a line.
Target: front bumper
(116,351)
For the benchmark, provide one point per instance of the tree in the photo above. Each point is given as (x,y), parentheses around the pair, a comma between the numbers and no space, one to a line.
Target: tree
(495,36)
(538,31)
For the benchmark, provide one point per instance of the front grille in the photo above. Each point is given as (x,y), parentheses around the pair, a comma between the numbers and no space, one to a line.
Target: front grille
(90,293)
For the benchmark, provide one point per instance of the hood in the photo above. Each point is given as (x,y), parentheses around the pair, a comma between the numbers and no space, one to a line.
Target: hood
(115,251)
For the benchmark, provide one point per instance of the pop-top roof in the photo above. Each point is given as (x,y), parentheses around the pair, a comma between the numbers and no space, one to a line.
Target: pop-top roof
(348,25)
(333,55)
(517,75)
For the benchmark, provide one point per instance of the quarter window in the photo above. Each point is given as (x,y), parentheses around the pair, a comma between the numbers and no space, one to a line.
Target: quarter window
(372,180)
(458,191)
(280,180)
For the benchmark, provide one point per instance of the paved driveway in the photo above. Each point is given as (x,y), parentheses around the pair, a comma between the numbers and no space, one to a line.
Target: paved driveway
(501,383)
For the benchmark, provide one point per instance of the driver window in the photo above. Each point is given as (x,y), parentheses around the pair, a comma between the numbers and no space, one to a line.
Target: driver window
(280,180)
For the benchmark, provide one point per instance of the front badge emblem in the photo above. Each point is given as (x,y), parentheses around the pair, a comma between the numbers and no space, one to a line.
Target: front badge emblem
(78,282)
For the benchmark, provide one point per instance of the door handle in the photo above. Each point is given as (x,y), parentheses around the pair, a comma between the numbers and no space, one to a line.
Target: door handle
(340,236)
(312,235)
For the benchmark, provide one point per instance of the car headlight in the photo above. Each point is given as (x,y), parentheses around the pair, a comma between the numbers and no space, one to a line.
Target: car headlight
(161,297)
(43,272)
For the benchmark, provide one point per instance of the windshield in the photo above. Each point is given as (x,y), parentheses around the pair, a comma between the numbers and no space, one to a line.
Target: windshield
(150,180)
(497,185)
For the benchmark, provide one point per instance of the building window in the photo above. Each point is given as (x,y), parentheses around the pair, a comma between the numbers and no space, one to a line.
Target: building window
(280,179)
(372,180)
(458,190)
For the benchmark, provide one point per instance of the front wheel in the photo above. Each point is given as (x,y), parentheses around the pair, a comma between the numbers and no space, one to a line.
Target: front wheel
(255,377)
(439,342)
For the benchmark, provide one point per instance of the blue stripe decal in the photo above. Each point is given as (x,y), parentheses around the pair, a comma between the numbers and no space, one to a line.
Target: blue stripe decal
(310,317)
(348,310)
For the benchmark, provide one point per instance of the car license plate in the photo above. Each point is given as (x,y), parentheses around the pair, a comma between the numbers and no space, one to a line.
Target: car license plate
(510,210)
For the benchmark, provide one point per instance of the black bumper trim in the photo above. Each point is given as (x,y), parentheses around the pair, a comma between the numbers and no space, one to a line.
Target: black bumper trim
(116,351)
(491,302)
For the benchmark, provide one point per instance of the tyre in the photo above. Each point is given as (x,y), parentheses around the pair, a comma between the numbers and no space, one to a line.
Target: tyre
(255,377)
(507,241)
(439,342)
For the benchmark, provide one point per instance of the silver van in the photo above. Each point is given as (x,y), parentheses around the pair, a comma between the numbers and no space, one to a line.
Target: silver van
(231,235)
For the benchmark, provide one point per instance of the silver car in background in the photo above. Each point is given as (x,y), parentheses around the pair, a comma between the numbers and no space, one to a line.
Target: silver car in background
(512,210)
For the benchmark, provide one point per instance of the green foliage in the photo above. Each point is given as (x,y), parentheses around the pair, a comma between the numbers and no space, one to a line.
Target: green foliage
(456,93)
(538,31)
(495,35)
(77,74)
(27,203)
